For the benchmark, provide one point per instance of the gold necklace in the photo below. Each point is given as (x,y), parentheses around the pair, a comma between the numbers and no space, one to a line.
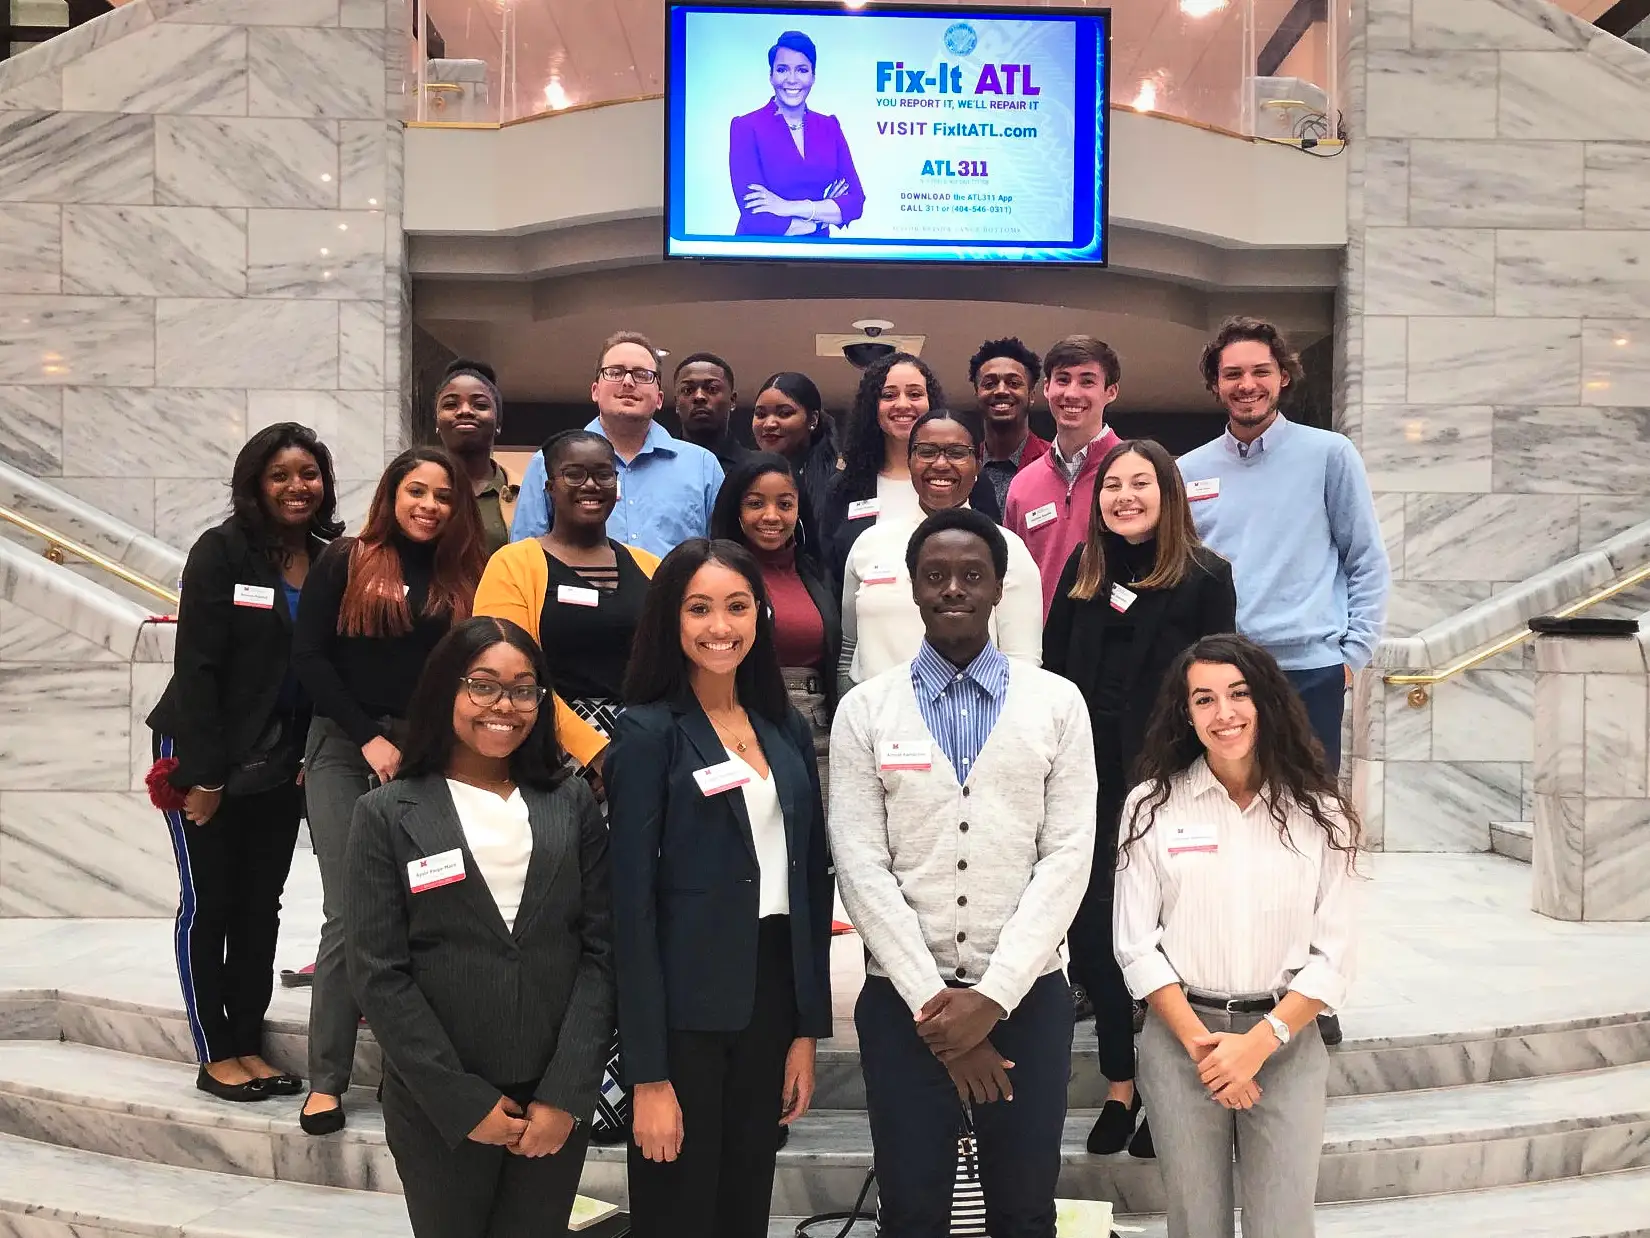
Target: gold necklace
(725,734)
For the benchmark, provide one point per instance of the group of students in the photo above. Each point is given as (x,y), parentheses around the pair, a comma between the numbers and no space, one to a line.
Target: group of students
(574,776)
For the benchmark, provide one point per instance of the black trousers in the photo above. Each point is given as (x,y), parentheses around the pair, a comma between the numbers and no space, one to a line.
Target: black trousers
(231,872)
(730,1086)
(1093,963)
(1323,691)
(916,1117)
(478,1190)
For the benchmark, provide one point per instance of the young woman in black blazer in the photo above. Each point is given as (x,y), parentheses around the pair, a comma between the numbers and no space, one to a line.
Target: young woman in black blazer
(228,738)
(721,899)
(479,944)
(1131,599)
(377,605)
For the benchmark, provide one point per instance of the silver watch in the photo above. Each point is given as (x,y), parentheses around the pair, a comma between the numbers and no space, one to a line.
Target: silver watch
(1280,1029)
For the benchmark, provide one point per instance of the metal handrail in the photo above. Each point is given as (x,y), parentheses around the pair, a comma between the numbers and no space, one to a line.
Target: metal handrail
(1418,695)
(59,547)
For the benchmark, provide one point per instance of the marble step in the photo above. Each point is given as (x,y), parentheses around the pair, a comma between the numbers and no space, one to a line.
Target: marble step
(1363,1065)
(48,1191)
(1400,1144)
(1512,839)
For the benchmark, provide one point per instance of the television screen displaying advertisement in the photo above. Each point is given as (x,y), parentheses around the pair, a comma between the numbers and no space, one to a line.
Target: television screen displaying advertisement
(892,133)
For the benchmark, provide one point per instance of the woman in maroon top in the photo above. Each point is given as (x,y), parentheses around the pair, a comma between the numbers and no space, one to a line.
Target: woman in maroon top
(758,507)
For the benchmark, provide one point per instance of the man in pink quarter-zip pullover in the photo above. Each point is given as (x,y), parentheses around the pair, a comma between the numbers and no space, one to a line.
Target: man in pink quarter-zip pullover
(1050,499)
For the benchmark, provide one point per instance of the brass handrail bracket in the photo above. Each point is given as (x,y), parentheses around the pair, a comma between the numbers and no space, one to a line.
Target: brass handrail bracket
(59,548)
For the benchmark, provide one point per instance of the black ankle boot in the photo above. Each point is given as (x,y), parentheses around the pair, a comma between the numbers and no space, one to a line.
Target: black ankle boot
(1111,1131)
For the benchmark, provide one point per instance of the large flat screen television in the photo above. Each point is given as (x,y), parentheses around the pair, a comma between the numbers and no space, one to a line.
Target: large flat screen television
(892,133)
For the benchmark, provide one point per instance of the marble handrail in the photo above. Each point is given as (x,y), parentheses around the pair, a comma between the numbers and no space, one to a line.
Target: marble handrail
(1494,618)
(72,517)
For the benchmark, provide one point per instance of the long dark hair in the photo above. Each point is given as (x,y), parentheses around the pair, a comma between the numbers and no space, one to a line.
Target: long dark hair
(1176,535)
(724,516)
(539,762)
(1291,760)
(246,495)
(863,455)
(374,602)
(659,670)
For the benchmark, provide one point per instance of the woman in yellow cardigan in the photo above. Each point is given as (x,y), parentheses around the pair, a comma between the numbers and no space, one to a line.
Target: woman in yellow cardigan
(575,590)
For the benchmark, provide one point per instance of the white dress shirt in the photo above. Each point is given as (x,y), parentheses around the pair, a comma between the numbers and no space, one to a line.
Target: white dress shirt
(1212,897)
(501,840)
(773,858)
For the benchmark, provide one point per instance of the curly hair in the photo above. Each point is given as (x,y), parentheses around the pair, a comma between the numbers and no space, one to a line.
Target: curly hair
(1240,330)
(1011,347)
(246,499)
(1289,756)
(864,453)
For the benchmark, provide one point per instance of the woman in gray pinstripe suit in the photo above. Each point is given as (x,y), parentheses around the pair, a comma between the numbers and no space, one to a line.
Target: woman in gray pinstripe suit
(478,938)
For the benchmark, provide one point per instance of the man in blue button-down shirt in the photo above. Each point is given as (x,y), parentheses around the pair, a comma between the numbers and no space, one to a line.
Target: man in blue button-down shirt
(667,487)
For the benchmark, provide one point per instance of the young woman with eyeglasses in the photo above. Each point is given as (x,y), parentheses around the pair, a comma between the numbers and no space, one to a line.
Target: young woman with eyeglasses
(881,626)
(575,590)
(480,945)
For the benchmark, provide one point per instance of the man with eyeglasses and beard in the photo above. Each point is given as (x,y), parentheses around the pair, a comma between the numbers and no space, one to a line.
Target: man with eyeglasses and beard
(667,486)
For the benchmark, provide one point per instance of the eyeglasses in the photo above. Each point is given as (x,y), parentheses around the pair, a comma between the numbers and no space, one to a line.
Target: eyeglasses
(954,452)
(603,475)
(638,374)
(485,692)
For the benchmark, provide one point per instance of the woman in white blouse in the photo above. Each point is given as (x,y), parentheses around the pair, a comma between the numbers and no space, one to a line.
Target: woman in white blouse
(881,626)
(1234,921)
(478,940)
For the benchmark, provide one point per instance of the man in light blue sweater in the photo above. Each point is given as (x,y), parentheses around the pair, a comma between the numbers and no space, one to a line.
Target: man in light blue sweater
(1289,507)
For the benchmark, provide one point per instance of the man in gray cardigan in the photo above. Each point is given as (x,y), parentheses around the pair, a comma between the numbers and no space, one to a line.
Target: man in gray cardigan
(962,827)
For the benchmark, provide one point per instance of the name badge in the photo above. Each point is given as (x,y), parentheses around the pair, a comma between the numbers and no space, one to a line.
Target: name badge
(573,595)
(905,754)
(1207,489)
(864,509)
(1037,517)
(715,779)
(881,574)
(435,871)
(259,597)
(1189,839)
(1122,599)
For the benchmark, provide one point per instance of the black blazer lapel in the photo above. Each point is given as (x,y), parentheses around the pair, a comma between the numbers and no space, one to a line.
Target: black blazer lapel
(691,718)
(790,781)
(432,822)
(552,844)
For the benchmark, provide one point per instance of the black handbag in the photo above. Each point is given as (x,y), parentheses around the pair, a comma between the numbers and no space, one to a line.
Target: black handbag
(272,761)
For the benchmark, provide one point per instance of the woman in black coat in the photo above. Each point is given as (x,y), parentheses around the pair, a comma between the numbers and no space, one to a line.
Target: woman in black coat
(228,741)
(1131,599)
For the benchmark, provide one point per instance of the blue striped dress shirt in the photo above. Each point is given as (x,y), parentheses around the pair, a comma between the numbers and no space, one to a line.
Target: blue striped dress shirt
(960,707)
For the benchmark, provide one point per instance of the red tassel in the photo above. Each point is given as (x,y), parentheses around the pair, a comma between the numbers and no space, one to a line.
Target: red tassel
(162,794)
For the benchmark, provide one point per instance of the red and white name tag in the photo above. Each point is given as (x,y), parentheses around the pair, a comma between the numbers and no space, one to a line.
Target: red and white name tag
(1206,489)
(572,595)
(715,779)
(905,754)
(259,597)
(1122,599)
(865,509)
(1037,517)
(1191,839)
(881,574)
(433,872)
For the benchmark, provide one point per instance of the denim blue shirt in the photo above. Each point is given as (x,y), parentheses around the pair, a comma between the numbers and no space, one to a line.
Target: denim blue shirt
(960,707)
(665,494)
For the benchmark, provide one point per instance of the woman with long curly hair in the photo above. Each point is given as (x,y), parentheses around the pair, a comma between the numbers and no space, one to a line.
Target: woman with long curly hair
(373,609)
(1234,921)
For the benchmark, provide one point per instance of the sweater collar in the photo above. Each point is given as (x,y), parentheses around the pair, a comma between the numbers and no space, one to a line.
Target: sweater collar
(1275,434)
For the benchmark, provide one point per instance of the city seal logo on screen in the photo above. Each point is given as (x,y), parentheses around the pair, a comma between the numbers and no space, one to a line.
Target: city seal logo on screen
(960,38)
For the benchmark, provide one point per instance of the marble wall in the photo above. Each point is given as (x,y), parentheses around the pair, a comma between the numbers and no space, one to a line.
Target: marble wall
(1494,367)
(202,235)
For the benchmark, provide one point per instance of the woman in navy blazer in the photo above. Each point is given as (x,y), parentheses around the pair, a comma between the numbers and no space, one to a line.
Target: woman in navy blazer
(791,170)
(721,899)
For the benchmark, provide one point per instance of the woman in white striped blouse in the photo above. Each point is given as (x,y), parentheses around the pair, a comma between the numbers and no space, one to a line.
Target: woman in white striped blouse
(1234,922)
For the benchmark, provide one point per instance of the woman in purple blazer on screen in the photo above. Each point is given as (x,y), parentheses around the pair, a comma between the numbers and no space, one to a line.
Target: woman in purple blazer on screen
(791,170)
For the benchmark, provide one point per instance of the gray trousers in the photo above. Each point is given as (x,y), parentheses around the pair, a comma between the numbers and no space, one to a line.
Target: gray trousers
(335,776)
(1277,1144)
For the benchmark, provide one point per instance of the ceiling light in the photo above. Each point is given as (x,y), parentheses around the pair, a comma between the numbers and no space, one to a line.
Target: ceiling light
(1146,100)
(1201,8)
(555,95)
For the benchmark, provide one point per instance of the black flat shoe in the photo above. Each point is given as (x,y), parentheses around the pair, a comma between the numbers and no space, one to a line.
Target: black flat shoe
(1113,1127)
(1141,1147)
(784,1136)
(281,1085)
(1329,1027)
(238,1092)
(327,1122)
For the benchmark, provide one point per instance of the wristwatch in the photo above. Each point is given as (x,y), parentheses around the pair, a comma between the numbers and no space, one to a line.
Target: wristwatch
(1280,1029)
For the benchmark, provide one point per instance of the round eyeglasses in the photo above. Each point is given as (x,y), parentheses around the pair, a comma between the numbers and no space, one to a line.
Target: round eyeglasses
(485,692)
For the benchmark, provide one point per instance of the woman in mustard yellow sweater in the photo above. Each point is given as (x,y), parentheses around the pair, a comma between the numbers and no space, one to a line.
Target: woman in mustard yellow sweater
(577,592)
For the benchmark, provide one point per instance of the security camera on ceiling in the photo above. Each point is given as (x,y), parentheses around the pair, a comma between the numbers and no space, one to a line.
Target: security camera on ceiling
(869,342)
